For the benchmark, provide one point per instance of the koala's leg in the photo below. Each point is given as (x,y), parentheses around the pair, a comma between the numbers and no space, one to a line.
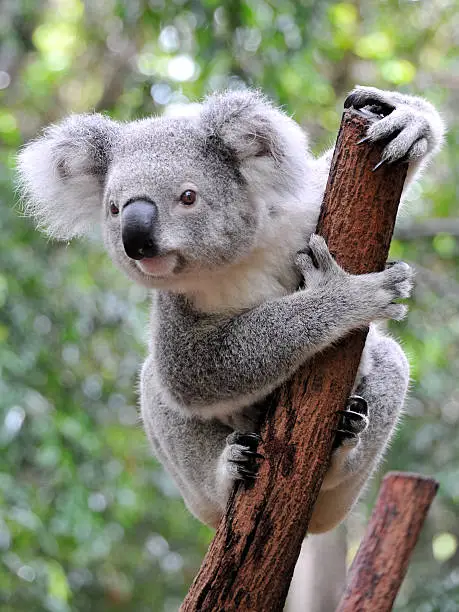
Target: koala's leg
(205,457)
(382,382)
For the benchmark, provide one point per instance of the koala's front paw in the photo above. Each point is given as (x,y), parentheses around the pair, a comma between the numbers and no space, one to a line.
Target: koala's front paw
(240,457)
(384,287)
(411,124)
(358,299)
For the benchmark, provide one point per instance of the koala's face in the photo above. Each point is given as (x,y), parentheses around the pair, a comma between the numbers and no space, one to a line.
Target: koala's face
(178,197)
(174,203)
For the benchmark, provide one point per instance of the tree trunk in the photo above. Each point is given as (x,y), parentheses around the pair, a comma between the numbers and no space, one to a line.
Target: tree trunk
(249,564)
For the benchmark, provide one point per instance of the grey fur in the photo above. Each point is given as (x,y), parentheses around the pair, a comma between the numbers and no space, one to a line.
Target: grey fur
(228,324)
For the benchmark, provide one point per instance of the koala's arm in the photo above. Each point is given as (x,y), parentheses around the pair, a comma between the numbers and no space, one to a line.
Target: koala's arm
(213,368)
(382,381)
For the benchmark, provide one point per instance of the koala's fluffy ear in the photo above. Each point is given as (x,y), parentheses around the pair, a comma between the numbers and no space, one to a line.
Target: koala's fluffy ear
(269,147)
(249,125)
(62,174)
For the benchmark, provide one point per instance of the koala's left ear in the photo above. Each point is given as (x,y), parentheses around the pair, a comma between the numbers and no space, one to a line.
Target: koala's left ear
(246,123)
(62,174)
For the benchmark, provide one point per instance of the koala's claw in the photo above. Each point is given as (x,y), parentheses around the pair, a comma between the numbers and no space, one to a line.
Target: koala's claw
(252,454)
(379,164)
(244,471)
(251,440)
(356,403)
(242,456)
(353,421)
(371,98)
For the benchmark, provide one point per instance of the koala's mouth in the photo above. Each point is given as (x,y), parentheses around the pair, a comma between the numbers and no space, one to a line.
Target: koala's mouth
(159,266)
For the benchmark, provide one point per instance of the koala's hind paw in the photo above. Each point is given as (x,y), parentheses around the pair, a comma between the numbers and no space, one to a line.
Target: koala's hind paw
(353,421)
(242,458)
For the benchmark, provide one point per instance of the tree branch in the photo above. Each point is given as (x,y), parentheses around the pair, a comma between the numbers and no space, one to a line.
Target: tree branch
(250,562)
(382,559)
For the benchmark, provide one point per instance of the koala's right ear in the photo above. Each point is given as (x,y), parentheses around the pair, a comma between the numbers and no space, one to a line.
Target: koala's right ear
(244,122)
(62,174)
(257,136)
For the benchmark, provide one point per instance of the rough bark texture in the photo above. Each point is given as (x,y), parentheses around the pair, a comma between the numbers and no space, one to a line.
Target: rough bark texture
(382,560)
(250,563)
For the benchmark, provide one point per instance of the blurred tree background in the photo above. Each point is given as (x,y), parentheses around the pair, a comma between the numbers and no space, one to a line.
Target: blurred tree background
(88,520)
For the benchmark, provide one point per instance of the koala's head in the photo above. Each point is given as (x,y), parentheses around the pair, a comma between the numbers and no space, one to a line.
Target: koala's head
(176,196)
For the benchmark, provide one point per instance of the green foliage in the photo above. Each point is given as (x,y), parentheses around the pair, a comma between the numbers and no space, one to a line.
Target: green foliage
(88,520)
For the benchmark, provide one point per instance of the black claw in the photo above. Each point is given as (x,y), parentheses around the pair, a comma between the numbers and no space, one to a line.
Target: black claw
(253,436)
(360,100)
(353,423)
(352,100)
(348,101)
(357,416)
(389,264)
(252,455)
(380,108)
(383,161)
(247,473)
(252,440)
(362,140)
(356,403)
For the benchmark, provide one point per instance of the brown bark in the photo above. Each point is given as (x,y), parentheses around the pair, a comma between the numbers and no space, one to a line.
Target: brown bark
(249,564)
(382,560)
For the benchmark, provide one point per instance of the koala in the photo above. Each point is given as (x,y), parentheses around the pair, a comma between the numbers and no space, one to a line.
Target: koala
(215,213)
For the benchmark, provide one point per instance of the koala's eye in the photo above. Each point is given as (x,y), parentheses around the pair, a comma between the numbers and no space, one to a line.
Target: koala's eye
(114,208)
(188,197)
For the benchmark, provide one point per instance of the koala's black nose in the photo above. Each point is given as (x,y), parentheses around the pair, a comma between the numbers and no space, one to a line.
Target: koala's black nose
(137,229)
